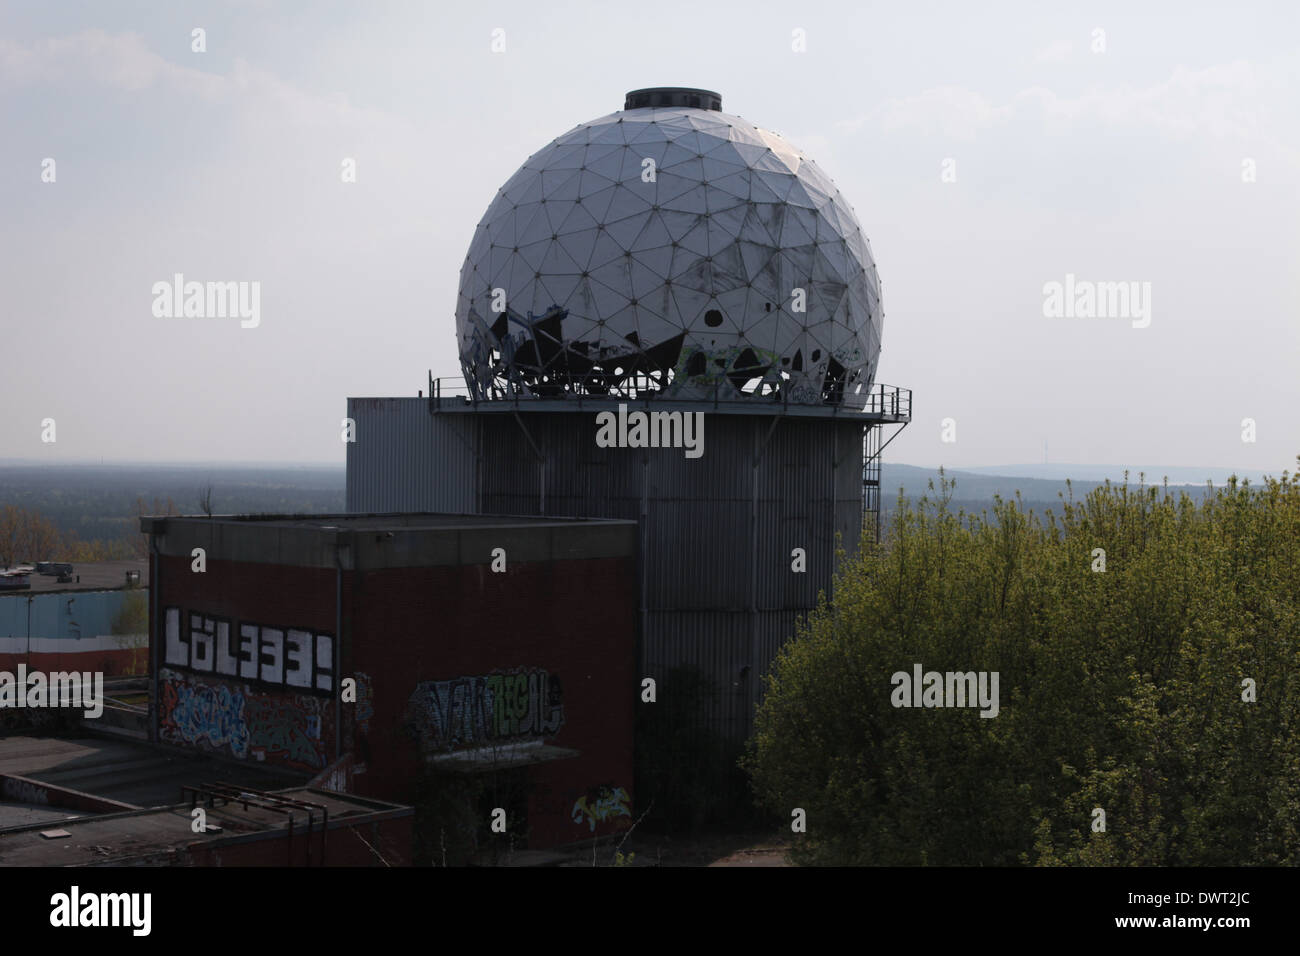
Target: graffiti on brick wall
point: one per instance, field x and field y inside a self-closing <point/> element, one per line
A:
<point x="493" y="708"/>
<point x="603" y="803"/>
<point x="365" y="701"/>
<point x="286" y="729"/>
<point x="24" y="791"/>
<point x="195" y="713"/>
<point x="296" y="659"/>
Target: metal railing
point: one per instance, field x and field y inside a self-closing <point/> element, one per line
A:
<point x="220" y="794"/>
<point x="886" y="402"/>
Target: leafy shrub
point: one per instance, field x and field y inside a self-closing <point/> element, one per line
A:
<point x="1120" y="690"/>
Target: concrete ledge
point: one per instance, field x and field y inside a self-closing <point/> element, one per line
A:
<point x="27" y="790"/>
<point x="378" y="542"/>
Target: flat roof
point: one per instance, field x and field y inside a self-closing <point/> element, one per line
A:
<point x="376" y="541"/>
<point x="141" y="774"/>
<point x="895" y="413"/>
<point x="388" y="521"/>
<point x="159" y="832"/>
<point x="94" y="575"/>
<point x="13" y="814"/>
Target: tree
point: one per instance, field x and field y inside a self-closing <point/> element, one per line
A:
<point x="80" y="551"/>
<point x="30" y="536"/>
<point x="156" y="507"/>
<point x="11" y="523"/>
<point x="130" y="626"/>
<point x="1121" y="690"/>
<point x="39" y="539"/>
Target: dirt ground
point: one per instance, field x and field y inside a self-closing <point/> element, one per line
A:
<point x="708" y="849"/>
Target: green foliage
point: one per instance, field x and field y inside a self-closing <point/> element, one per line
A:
<point x="130" y="625"/>
<point x="133" y="616"/>
<point x="1119" y="689"/>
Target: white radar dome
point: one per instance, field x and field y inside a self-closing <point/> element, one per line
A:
<point x="670" y="250"/>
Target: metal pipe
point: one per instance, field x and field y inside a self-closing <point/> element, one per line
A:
<point x="753" y="573"/>
<point x="835" y="465"/>
<point x="155" y="643"/>
<point x="338" y="642"/>
<point x="644" y="534"/>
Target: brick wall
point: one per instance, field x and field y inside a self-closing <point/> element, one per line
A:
<point x="573" y="620"/>
<point x="568" y="623"/>
<point x="233" y="715"/>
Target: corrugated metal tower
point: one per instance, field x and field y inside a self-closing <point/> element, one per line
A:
<point x="670" y="260"/>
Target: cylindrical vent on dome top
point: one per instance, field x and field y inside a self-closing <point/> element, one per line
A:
<point x="670" y="96"/>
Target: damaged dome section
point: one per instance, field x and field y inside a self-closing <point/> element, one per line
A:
<point x="670" y="251"/>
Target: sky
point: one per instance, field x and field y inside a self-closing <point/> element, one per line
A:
<point x="988" y="152"/>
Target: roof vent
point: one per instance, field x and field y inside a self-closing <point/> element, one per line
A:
<point x="672" y="97"/>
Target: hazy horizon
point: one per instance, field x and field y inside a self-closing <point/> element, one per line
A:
<point x="1182" y="475"/>
<point x="986" y="156"/>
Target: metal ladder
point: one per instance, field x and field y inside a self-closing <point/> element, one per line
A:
<point x="871" y="480"/>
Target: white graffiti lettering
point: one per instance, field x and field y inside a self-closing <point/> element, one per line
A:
<point x="282" y="657"/>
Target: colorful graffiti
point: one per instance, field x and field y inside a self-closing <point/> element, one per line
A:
<point x="365" y="701"/>
<point x="603" y="804"/>
<point x="24" y="791"/>
<point x="193" y="713"/>
<point x="287" y="729"/>
<point x="475" y="711"/>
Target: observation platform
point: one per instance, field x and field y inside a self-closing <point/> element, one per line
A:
<point x="883" y="405"/>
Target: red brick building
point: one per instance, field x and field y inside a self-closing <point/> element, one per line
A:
<point x="359" y="648"/>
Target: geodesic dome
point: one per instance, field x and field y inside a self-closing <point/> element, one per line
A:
<point x="670" y="250"/>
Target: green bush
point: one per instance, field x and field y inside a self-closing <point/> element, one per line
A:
<point x="1120" y="690"/>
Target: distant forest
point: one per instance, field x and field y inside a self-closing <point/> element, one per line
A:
<point x="90" y="512"/>
<point x="976" y="493"/>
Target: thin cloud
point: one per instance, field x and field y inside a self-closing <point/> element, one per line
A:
<point x="1055" y="52"/>
<point x="1230" y="100"/>
<point x="121" y="61"/>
